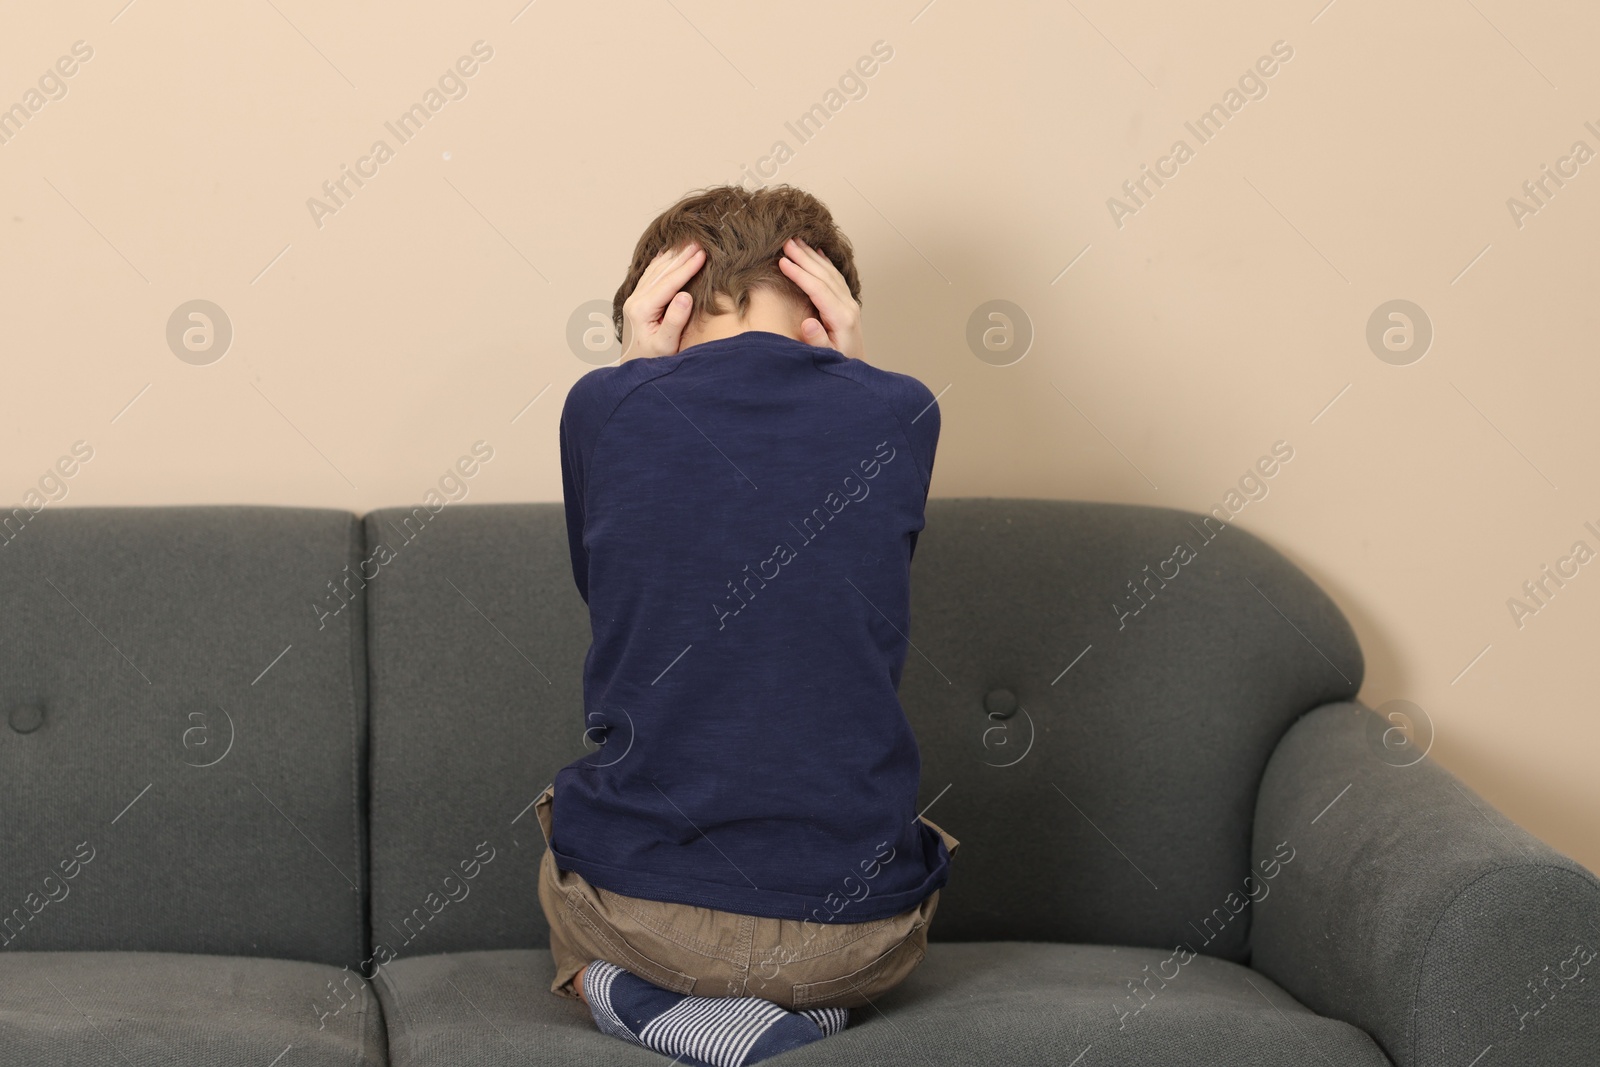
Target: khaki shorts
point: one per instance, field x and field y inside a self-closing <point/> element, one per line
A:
<point x="711" y="953"/>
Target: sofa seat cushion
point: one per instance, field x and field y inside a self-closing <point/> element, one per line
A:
<point x="177" y="1009"/>
<point x="983" y="1002"/>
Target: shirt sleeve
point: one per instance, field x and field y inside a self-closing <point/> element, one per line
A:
<point x="572" y="494"/>
<point x="922" y="425"/>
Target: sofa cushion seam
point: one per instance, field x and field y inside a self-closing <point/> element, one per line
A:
<point x="357" y="524"/>
<point x="400" y="1010"/>
<point x="361" y="1026"/>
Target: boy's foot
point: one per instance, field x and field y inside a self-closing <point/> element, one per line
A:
<point x="829" y="1020"/>
<point x="700" y="1031"/>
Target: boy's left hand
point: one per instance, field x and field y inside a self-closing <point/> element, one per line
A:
<point x="654" y="314"/>
<point x="820" y="280"/>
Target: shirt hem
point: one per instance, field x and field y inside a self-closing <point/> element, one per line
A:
<point x="766" y="903"/>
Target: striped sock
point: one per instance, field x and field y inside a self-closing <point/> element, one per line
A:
<point x="700" y="1031"/>
<point x="829" y="1020"/>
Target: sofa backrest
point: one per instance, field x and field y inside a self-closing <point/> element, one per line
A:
<point x="1151" y="709"/>
<point x="1096" y="749"/>
<point x="477" y="640"/>
<point x="182" y="733"/>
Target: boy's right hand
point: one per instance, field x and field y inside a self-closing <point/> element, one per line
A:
<point x="655" y="313"/>
<point x="819" y="279"/>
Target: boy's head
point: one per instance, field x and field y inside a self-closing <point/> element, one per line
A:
<point x="742" y="233"/>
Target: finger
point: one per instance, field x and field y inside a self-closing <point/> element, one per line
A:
<point x="653" y="269"/>
<point x="808" y="281"/>
<point x="684" y="269"/>
<point x="823" y="296"/>
<point x="812" y="333"/>
<point x="802" y="246"/>
<point x="805" y="255"/>
<point x="673" y="277"/>
<point x="672" y="323"/>
<point x="823" y="264"/>
<point x="664" y="261"/>
<point x="653" y="293"/>
<point x="820" y="266"/>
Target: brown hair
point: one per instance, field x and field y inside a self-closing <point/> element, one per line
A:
<point x="742" y="233"/>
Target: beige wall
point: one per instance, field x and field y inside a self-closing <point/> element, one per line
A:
<point x="373" y="345"/>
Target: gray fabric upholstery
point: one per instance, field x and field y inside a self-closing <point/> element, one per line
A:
<point x="1010" y="1002"/>
<point x="121" y="1008"/>
<point x="477" y="644"/>
<point x="184" y="771"/>
<point x="1158" y="735"/>
<point x="1416" y="911"/>
<point x="478" y="638"/>
<point x="131" y="639"/>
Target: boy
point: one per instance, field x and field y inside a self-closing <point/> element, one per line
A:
<point x="740" y="860"/>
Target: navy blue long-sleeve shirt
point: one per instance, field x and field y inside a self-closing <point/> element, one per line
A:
<point x="742" y="518"/>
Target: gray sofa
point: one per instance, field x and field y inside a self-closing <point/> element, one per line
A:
<point x="266" y="777"/>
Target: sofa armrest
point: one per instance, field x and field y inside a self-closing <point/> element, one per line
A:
<point x="1411" y="908"/>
